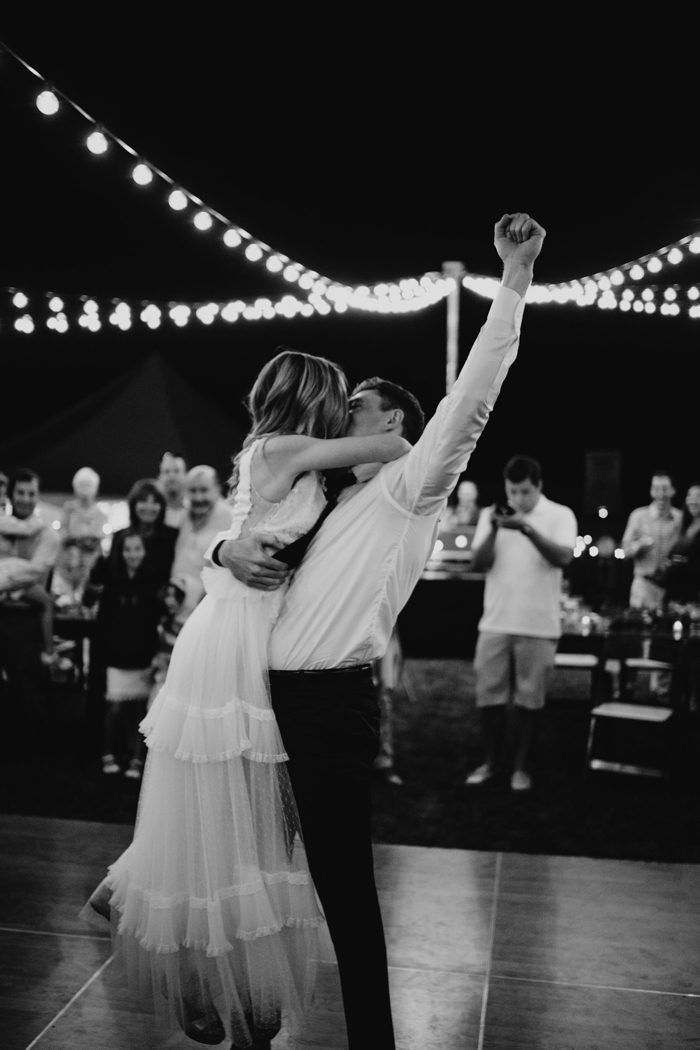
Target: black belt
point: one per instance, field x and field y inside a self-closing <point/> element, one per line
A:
<point x="355" y="669"/>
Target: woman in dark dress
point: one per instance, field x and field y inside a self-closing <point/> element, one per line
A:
<point x="147" y="517"/>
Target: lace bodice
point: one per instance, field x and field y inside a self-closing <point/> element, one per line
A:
<point x="288" y="519"/>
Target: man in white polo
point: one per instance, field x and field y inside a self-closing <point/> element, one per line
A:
<point x="339" y="613"/>
<point x="522" y="547"/>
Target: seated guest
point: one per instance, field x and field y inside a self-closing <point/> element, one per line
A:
<point x="171" y="478"/>
<point x="25" y="628"/>
<point x="207" y="514"/>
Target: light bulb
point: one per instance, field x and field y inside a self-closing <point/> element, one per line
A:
<point x="177" y="200"/>
<point x="142" y="175"/>
<point x="97" y="143"/>
<point x="232" y="238"/>
<point x="203" y="220"/>
<point x="47" y="103"/>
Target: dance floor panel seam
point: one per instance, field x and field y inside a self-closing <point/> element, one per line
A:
<point x="55" y="933"/>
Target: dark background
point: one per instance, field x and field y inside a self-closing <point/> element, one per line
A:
<point x="367" y="153"/>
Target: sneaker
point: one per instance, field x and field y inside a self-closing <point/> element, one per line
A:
<point x="135" y="769"/>
<point x="480" y="775"/>
<point x="109" y="765"/>
<point x="520" y="781"/>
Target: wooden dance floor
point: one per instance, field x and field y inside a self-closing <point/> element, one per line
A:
<point x="486" y="950"/>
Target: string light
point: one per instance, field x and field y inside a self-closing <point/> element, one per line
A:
<point x="326" y="294"/>
<point x="232" y="238"/>
<point x="177" y="200"/>
<point x="97" y="143"/>
<point x="47" y="103"/>
<point x="142" y="175"/>
<point x="203" y="220"/>
<point x="411" y="294"/>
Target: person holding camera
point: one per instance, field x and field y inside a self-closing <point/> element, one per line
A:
<point x="522" y="548"/>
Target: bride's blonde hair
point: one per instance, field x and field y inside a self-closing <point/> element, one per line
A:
<point x="295" y="393"/>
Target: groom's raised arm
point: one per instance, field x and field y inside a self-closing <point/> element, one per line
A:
<point x="430" y="470"/>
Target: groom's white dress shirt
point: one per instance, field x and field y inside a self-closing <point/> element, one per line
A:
<point x="368" y="555"/>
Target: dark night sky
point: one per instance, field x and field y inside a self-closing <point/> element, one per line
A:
<point x="368" y="156"/>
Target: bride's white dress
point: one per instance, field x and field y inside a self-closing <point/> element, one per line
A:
<point x="212" y="902"/>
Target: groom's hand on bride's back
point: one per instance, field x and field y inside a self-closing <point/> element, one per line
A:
<point x="252" y="562"/>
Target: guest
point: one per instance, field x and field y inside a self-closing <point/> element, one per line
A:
<point x="649" y="534"/>
<point x="21" y="640"/>
<point x="82" y="530"/>
<point x="466" y="510"/>
<point x="522" y="548"/>
<point x="207" y="514"/>
<point x="680" y="574"/>
<point x="126" y="589"/>
<point x="147" y="508"/>
<point x="12" y="528"/>
<point x="171" y="478"/>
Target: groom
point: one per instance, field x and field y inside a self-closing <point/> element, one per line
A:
<point x="339" y="613"/>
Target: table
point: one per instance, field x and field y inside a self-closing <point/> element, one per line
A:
<point x="441" y="617"/>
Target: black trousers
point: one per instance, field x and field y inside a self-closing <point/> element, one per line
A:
<point x="329" y="721"/>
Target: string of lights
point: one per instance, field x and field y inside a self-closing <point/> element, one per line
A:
<point x="323" y="294"/>
<point x="59" y="313"/>
<point x="396" y="297"/>
<point x="619" y="288"/>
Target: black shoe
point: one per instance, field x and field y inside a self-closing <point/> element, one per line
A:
<point x="203" y="1031"/>
<point x="389" y="776"/>
<point x="203" y="1028"/>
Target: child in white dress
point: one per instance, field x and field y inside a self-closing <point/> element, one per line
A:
<point x="212" y="904"/>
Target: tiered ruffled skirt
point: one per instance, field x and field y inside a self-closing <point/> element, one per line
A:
<point x="212" y="904"/>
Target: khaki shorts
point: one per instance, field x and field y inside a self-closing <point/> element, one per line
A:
<point x="513" y="666"/>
